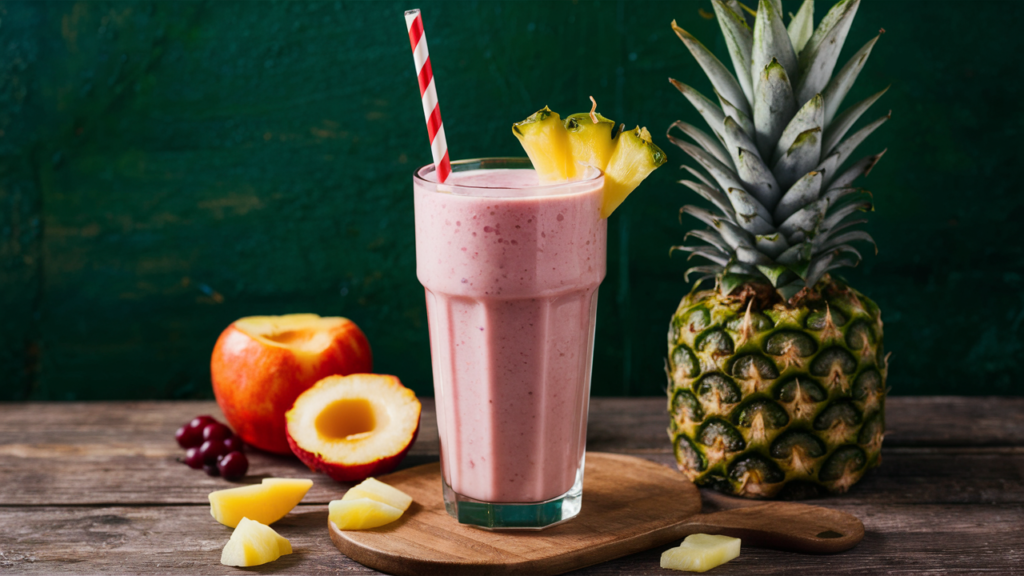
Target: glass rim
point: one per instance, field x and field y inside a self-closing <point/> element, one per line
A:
<point x="503" y="162"/>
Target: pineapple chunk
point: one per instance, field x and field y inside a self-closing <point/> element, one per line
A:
<point x="700" y="553"/>
<point x="591" y="143"/>
<point x="560" y="152"/>
<point x="634" y="158"/>
<point x="546" y="142"/>
<point x="361" y="514"/>
<point x="252" y="544"/>
<point x="265" y="503"/>
<point x="376" y="490"/>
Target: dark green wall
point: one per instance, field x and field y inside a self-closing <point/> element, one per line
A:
<point x="168" y="167"/>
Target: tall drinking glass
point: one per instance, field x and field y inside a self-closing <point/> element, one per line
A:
<point x="511" y="270"/>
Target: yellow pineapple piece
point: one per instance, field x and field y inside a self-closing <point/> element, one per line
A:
<point x="634" y="158"/>
<point x="288" y="490"/>
<point x="560" y="152"/>
<point x="591" y="143"/>
<point x="361" y="514"/>
<point x="374" y="489"/>
<point x="700" y="553"/>
<point x="265" y="503"/>
<point x="546" y="142"/>
<point x="252" y="544"/>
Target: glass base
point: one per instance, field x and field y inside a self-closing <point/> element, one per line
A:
<point x="515" y="515"/>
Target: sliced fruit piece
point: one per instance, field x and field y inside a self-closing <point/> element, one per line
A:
<point x="591" y="143"/>
<point x="634" y="158"/>
<point x="260" y="364"/>
<point x="701" y="552"/>
<point x="546" y="142"/>
<point x="376" y="490"/>
<point x="361" y="514"/>
<point x="353" y="427"/>
<point x="265" y="503"/>
<point x="626" y="158"/>
<point x="252" y="544"/>
<point x="289" y="489"/>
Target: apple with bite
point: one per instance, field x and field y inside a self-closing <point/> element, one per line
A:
<point x="352" y="427"/>
<point x="261" y="364"/>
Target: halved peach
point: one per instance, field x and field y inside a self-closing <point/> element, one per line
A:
<point x="352" y="427"/>
<point x="261" y="364"/>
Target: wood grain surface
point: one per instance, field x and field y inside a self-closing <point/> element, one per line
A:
<point x="93" y="488"/>
<point x="630" y="505"/>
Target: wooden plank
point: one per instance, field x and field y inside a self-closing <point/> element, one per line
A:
<point x="615" y="425"/>
<point x="954" y="421"/>
<point x="149" y="425"/>
<point x="907" y="476"/>
<point x="916" y="539"/>
<point x="632" y="505"/>
<point x="124" y="453"/>
<point x="944" y="503"/>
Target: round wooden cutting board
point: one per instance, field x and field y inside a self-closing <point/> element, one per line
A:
<point x="629" y="505"/>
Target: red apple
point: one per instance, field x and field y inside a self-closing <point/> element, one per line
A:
<point x="356" y="426"/>
<point x="261" y="364"/>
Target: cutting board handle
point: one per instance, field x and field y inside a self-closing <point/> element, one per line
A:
<point x="782" y="526"/>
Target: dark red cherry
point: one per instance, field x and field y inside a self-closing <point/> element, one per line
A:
<point x="216" y="431"/>
<point x="211" y="469"/>
<point x="233" y="465"/>
<point x="200" y="422"/>
<point x="188" y="437"/>
<point x="192" y="459"/>
<point x="210" y="449"/>
<point x="234" y="444"/>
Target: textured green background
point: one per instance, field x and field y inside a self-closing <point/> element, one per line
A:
<point x="167" y="167"/>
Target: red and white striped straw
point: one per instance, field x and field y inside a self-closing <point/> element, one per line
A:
<point x="428" y="93"/>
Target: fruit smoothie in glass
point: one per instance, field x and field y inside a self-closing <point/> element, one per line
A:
<point x="511" y="269"/>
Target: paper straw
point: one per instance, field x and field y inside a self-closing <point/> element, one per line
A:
<point x="428" y="93"/>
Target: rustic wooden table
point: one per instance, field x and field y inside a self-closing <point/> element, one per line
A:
<point x="94" y="488"/>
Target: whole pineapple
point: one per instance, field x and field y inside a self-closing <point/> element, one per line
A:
<point x="777" y="374"/>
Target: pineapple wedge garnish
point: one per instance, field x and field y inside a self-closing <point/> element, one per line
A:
<point x="591" y="143"/>
<point x="700" y="553"/>
<point x="546" y="142"/>
<point x="560" y="150"/>
<point x="252" y="544"/>
<point x="635" y="157"/>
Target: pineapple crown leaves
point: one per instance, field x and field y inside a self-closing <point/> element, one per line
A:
<point x="770" y="166"/>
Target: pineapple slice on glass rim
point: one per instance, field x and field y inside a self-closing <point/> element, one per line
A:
<point x="560" y="149"/>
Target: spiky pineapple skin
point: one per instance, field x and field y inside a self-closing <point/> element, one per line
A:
<point x="783" y="402"/>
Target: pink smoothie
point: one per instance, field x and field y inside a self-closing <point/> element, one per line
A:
<point x="511" y="275"/>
